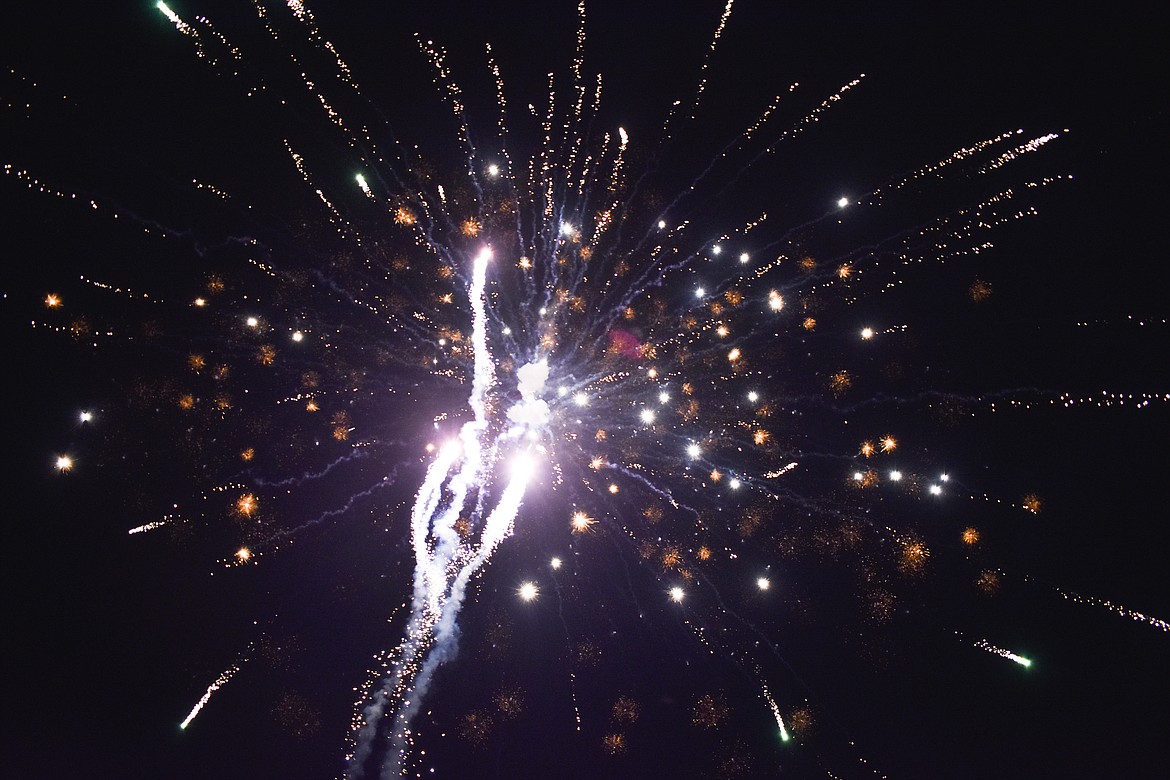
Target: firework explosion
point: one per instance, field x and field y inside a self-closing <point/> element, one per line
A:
<point x="702" y="405"/>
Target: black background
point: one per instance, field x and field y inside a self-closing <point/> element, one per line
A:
<point x="112" y="638"/>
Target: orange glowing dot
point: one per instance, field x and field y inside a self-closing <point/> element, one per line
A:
<point x="581" y="522"/>
<point x="889" y="444"/>
<point x="247" y="504"/>
<point x="52" y="301"/>
<point x="243" y="555"/>
<point x="404" y="216"/>
<point x="867" y="449"/>
<point x="970" y="536"/>
<point x="988" y="582"/>
<point x="463" y="528"/>
<point x="1031" y="503"/>
<point x="248" y="454"/>
<point x="613" y="488"/>
<point x="865" y="479"/>
<point x="979" y="291"/>
<point x="470" y="227"/>
<point x="839" y="382"/>
<point x="266" y="355"/>
<point x="809" y="323"/>
<point x="913" y="555"/>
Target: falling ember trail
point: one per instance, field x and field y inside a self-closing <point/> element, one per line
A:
<point x="983" y="644"/>
<point x="784" y="736"/>
<point x="219" y="682"/>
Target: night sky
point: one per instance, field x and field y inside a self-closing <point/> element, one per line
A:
<point x="872" y="660"/>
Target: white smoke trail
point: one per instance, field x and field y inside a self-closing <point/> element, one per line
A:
<point x="444" y="564"/>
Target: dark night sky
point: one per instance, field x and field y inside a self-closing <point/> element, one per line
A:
<point x="111" y="639"/>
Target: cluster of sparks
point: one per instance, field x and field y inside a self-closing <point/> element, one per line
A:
<point x="616" y="355"/>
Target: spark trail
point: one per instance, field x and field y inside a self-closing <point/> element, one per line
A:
<point x="224" y="677"/>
